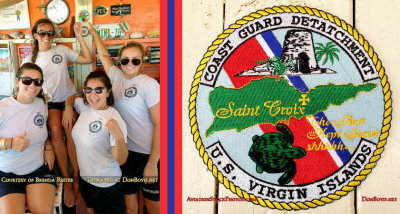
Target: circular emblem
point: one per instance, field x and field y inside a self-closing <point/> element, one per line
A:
<point x="39" y="120"/>
<point x="290" y="106"/>
<point x="101" y="11"/>
<point x="57" y="59"/>
<point x="130" y="92"/>
<point x="84" y="16"/>
<point x="95" y="126"/>
<point x="85" y="31"/>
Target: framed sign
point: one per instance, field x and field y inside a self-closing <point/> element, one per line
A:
<point x="23" y="52"/>
<point x="4" y="59"/>
<point x="120" y="10"/>
<point x="15" y="16"/>
<point x="5" y="75"/>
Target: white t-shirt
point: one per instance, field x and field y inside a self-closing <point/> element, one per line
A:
<point x="133" y="98"/>
<point x="15" y="118"/>
<point x="93" y="144"/>
<point x="54" y="63"/>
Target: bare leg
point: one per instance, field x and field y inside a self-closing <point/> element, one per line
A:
<point x="60" y="149"/>
<point x="74" y="162"/>
<point x="131" y="203"/>
<point x="153" y="207"/>
<point x="90" y="210"/>
<point x="40" y="198"/>
<point x="13" y="203"/>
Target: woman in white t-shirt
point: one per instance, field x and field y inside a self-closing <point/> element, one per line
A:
<point x="137" y="98"/>
<point x="54" y="62"/>
<point x="100" y="141"/>
<point x="26" y="154"/>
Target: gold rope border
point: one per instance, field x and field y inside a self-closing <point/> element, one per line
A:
<point x="384" y="132"/>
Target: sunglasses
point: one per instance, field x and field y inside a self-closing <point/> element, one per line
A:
<point x="28" y="81"/>
<point x="43" y="33"/>
<point x="135" y="61"/>
<point x="98" y="90"/>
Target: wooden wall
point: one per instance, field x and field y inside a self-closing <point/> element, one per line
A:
<point x="145" y="15"/>
<point x="378" y="21"/>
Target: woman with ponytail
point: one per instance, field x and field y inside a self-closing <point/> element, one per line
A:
<point x="53" y="60"/>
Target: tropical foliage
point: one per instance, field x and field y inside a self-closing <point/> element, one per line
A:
<point x="280" y="66"/>
<point x="329" y="50"/>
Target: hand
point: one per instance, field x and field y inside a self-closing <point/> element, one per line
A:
<point x="114" y="129"/>
<point x="20" y="143"/>
<point x="49" y="158"/>
<point x="78" y="29"/>
<point x="68" y="118"/>
<point x="150" y="174"/>
<point x="92" y="31"/>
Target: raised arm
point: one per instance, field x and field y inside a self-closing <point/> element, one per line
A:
<point x="150" y="171"/>
<point x="86" y="57"/>
<point x="101" y="50"/>
<point x="119" y="150"/>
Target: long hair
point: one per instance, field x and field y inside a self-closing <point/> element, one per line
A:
<point x="131" y="45"/>
<point x="102" y="76"/>
<point x="31" y="66"/>
<point x="35" y="41"/>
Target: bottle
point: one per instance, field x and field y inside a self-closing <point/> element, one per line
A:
<point x="71" y="27"/>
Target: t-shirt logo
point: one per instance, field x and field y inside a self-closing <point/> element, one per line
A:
<point x="57" y="59"/>
<point x="38" y="120"/>
<point x="95" y="126"/>
<point x="130" y="92"/>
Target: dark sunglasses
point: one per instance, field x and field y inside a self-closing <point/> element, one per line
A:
<point x="43" y="33"/>
<point x="98" y="90"/>
<point x="135" y="61"/>
<point x="28" y="81"/>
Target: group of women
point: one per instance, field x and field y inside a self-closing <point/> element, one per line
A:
<point x="115" y="138"/>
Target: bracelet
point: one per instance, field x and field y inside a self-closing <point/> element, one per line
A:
<point x="152" y="165"/>
<point x="2" y="146"/>
<point x="68" y="107"/>
<point x="48" y="149"/>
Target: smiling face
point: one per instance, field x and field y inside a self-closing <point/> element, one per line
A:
<point x="130" y="70"/>
<point x="97" y="101"/>
<point x="27" y="93"/>
<point x="46" y="40"/>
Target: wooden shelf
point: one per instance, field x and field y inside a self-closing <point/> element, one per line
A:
<point x="72" y="40"/>
<point x="29" y="41"/>
<point x="123" y="41"/>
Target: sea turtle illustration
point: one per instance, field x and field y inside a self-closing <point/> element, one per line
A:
<point x="273" y="153"/>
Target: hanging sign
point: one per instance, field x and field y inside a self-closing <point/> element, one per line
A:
<point x="120" y="10"/>
<point x="101" y="11"/>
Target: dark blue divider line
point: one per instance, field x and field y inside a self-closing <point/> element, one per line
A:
<point x="171" y="106"/>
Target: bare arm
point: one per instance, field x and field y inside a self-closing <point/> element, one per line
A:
<point x="101" y="50"/>
<point x="86" y="57"/>
<point x="150" y="171"/>
<point x="119" y="150"/>
<point x="18" y="143"/>
<point x="68" y="118"/>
